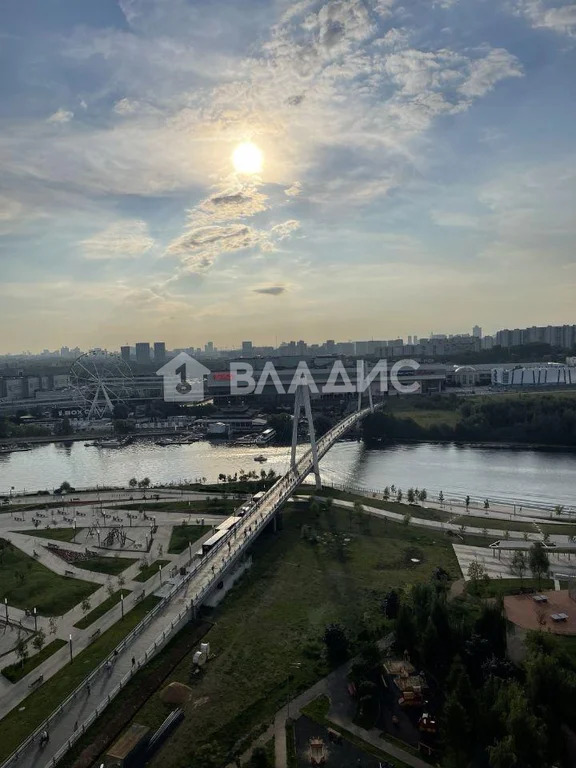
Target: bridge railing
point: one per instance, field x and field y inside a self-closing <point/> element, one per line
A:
<point x="286" y="486"/>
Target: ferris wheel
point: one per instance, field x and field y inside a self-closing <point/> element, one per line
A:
<point x="101" y="380"/>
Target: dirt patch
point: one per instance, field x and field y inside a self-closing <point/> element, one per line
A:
<point x="175" y="694"/>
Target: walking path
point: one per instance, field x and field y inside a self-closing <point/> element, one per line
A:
<point x="332" y="686"/>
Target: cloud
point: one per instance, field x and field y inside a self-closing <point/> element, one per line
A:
<point x="126" y="239"/>
<point x="61" y="116"/>
<point x="284" y="230"/>
<point x="270" y="290"/>
<point x="559" y="17"/>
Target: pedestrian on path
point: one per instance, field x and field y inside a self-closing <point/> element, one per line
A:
<point x="75" y="726"/>
<point x="133" y="661"/>
<point x="88" y="689"/>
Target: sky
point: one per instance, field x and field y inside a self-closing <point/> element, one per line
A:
<point x="418" y="169"/>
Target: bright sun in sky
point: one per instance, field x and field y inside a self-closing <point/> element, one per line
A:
<point x="247" y="158"/>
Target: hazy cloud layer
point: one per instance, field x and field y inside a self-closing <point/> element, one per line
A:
<point x="416" y="145"/>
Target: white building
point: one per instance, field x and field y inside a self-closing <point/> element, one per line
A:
<point x="552" y="375"/>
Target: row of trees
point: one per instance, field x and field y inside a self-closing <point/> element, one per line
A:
<point x="492" y="712"/>
<point x="529" y="419"/>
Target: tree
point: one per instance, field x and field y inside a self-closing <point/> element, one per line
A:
<point x="63" y="428"/>
<point x="109" y="587"/>
<point x="558" y="509"/>
<point x="405" y="629"/>
<point x="144" y="483"/>
<point x="538" y="561"/>
<point x="386" y="493"/>
<point x="21" y="649"/>
<point x="476" y="574"/>
<point x="52" y="625"/>
<point x="133" y="482"/>
<point x="399" y="495"/>
<point x="121" y="581"/>
<point x="259" y="758"/>
<point x="336" y="645"/>
<point x="519" y="565"/>
<point x="441" y="498"/>
<point x="423" y="495"/>
<point x="358" y="513"/>
<point x="39" y="640"/>
<point x="486" y="504"/>
<point x="410" y="496"/>
<point x="391" y="604"/>
<point x="407" y="518"/>
<point x="65" y="487"/>
<point x="85" y="605"/>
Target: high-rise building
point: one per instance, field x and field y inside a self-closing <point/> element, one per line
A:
<point x="246" y="348"/>
<point x="159" y="352"/>
<point x="125" y="353"/>
<point x="477" y="332"/>
<point x="209" y="348"/>
<point x="142" y="352"/>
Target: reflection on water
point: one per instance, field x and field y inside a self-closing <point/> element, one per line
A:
<point x="505" y="474"/>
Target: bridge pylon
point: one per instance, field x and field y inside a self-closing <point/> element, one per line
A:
<point x="302" y="401"/>
<point x="360" y="375"/>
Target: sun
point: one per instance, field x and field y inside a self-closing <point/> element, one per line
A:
<point x="247" y="158"/>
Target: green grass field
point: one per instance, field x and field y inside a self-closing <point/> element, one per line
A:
<point x="101" y="609"/>
<point x="150" y="570"/>
<point x="111" y="565"/>
<point x="17" y="671"/>
<point x="277" y="615"/>
<point x="19" y="723"/>
<point x="182" y="535"/>
<point x="216" y="507"/>
<point x="28" y="584"/>
<point x="56" y="534"/>
<point x="501" y="587"/>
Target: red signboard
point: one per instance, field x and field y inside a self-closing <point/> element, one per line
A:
<point x="222" y="376"/>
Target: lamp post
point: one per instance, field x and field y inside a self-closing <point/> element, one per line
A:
<point x="70" y="645"/>
<point x="190" y="552"/>
<point x="35" y="620"/>
<point x="160" y="572"/>
<point x="6" y="607"/>
<point x="122" y="603"/>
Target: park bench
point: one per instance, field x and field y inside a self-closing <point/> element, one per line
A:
<point x="36" y="683"/>
<point x="68" y="573"/>
<point x="94" y="635"/>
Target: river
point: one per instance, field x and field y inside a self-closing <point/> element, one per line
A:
<point x="499" y="474"/>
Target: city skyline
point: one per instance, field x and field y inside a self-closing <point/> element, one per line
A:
<point x="172" y="169"/>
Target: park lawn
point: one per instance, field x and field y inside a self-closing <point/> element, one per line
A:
<point x="101" y="609"/>
<point x="214" y="507"/>
<point x="150" y="570"/>
<point x="111" y="565"/>
<point x="17" y="725"/>
<point x="29" y="584"/>
<point x="458" y="518"/>
<point x="501" y="587"/>
<point x="277" y="614"/>
<point x="182" y="535"/>
<point x="56" y="534"/>
<point x="17" y="671"/>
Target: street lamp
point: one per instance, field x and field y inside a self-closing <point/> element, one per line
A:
<point x="160" y="572"/>
<point x="70" y="644"/>
<point x="122" y="603"/>
<point x="6" y="606"/>
<point x="35" y="621"/>
<point x="296" y="665"/>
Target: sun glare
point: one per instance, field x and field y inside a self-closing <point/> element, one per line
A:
<point x="247" y="158"/>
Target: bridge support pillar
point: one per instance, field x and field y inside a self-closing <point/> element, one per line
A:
<point x="302" y="401"/>
<point x="360" y="375"/>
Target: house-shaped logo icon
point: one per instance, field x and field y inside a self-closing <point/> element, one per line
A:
<point x="183" y="379"/>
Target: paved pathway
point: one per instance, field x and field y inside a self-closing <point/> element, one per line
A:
<point x="332" y="686"/>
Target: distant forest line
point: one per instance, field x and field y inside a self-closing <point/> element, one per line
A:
<point x="535" y="419"/>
